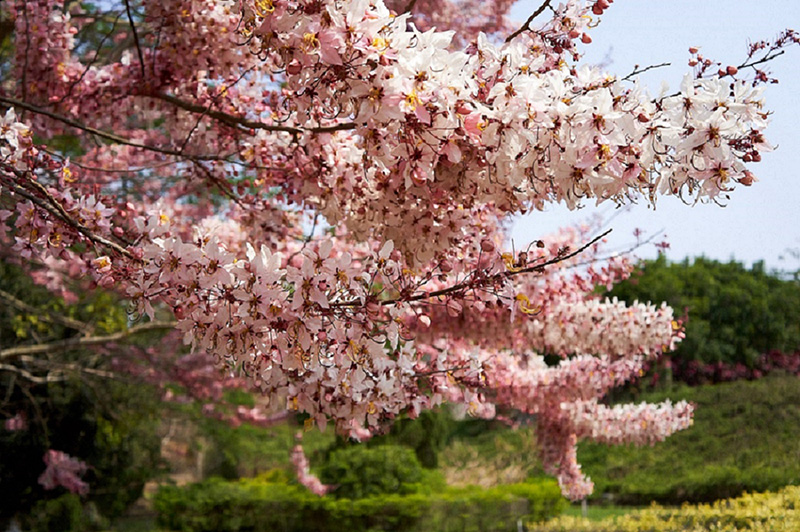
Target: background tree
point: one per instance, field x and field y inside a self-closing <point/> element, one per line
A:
<point x="68" y="405"/>
<point x="734" y="315"/>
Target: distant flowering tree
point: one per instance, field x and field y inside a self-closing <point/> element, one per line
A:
<point x="317" y="191"/>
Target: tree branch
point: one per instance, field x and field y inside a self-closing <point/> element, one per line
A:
<point x="103" y="134"/>
<point x="499" y="276"/>
<point x="465" y="285"/>
<point x="55" y="209"/>
<point x="235" y="121"/>
<point x="765" y="59"/>
<point x="636" y="70"/>
<point x="59" y="366"/>
<point x="45" y="315"/>
<point x="83" y="341"/>
<point x="410" y="6"/>
<point x="135" y="37"/>
<point x="30" y="376"/>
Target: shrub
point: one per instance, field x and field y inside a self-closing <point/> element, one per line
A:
<point x="261" y="505"/>
<point x="358" y="471"/>
<point x="63" y="514"/>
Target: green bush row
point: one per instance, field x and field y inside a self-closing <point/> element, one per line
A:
<point x="270" y="505"/>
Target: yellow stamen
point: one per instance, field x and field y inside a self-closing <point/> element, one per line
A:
<point x="310" y="42"/>
<point x="412" y="100"/>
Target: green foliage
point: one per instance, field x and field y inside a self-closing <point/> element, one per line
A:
<point x="427" y="435"/>
<point x="98" y="309"/>
<point x="598" y="512"/>
<point x="247" y="450"/>
<point x="490" y="453"/>
<point x="260" y="505"/>
<point x="735" y="314"/>
<point x="746" y="437"/>
<point x="106" y="423"/>
<point x="63" y="514"/>
<point x="358" y="471"/>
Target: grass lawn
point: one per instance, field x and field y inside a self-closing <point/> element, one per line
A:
<point x="596" y="512"/>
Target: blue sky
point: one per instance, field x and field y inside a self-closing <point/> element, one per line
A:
<point x="760" y="222"/>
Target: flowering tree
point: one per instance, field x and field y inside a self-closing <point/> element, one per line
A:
<point x="317" y="192"/>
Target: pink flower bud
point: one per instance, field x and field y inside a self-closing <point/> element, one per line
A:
<point x="748" y="178"/>
<point x="294" y="67"/>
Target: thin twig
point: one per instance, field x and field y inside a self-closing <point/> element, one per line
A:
<point x="637" y="70"/>
<point x="465" y="285"/>
<point x="764" y="59"/>
<point x="306" y="240"/>
<point x="135" y="37"/>
<point x="527" y="24"/>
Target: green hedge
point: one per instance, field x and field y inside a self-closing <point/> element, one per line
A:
<point x="261" y="505"/>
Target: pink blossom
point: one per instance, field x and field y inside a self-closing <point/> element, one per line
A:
<point x="65" y="471"/>
<point x="18" y="422"/>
